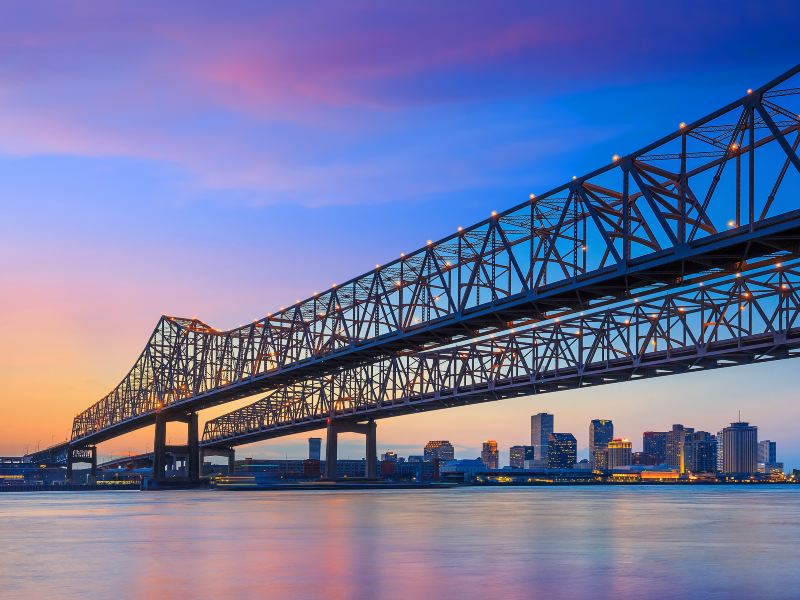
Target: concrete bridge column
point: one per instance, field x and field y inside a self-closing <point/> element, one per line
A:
<point x="93" y="472"/>
<point x="86" y="455"/>
<point x="231" y="461"/>
<point x="193" y="460"/>
<point x="372" y="450"/>
<point x="160" y="447"/>
<point x="331" y="442"/>
<point x="369" y="429"/>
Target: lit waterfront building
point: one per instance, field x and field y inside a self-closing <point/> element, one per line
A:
<point x="741" y="448"/>
<point x="720" y="451"/>
<point x="601" y="432"/>
<point x="674" y="440"/>
<point x="389" y="456"/>
<point x="416" y="458"/>
<point x="767" y="456"/>
<point x="438" y="450"/>
<point x="490" y="457"/>
<point x="541" y="428"/>
<point x="562" y="451"/>
<point x="618" y="453"/>
<point x="314" y="448"/>
<point x="654" y="445"/>
<point x="520" y="457"/>
<point x="698" y="453"/>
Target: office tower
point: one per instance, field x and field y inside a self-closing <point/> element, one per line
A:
<point x="490" y="456"/>
<point x="674" y="439"/>
<point x="438" y="449"/>
<point x="767" y="457"/>
<point x="618" y="453"/>
<point x="720" y="451"/>
<point x="654" y="445"/>
<point x="519" y="456"/>
<point x="541" y="428"/>
<point x="741" y="448"/>
<point x="389" y="456"/>
<point x="562" y="451"/>
<point x="697" y="453"/>
<point x="601" y="432"/>
<point x="767" y="452"/>
<point x="314" y="448"/>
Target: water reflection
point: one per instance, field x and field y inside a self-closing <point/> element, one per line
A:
<point x="632" y="542"/>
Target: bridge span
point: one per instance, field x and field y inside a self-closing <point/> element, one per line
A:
<point x="711" y="198"/>
<point x="714" y="322"/>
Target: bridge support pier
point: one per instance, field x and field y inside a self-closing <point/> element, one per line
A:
<point x="193" y="465"/>
<point x="229" y="453"/>
<point x="369" y="429"/>
<point x="160" y="447"/>
<point x="88" y="455"/>
<point x="191" y="450"/>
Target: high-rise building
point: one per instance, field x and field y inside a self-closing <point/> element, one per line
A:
<point x="490" y="456"/>
<point x="438" y="450"/>
<point x="601" y="432"/>
<point x="643" y="459"/>
<point x="519" y="456"/>
<point x="618" y="453"/>
<point x="389" y="456"/>
<point x="674" y="439"/>
<point x="767" y="452"/>
<point x="741" y="448"/>
<point x="562" y="451"/>
<point x="541" y="428"/>
<point x="720" y="451"/>
<point x="654" y="445"/>
<point x="698" y="453"/>
<point x="314" y="448"/>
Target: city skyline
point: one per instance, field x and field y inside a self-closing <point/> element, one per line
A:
<point x="353" y="449"/>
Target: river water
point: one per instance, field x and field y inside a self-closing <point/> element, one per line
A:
<point x="558" y="542"/>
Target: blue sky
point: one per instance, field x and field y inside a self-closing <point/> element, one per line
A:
<point x="221" y="161"/>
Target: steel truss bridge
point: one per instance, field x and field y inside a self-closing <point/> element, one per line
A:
<point x="716" y="322"/>
<point x="534" y="298"/>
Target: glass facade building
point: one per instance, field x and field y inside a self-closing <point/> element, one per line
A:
<point x="562" y="451"/>
<point x="490" y="456"/>
<point x="619" y="453"/>
<point x="654" y="445"/>
<point x="541" y="428"/>
<point x="520" y="457"/>
<point x="601" y="432"/>
<point x="438" y="450"/>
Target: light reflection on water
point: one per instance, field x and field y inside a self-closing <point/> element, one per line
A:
<point x="562" y="542"/>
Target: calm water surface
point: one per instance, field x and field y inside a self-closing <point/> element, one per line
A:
<point x="565" y="542"/>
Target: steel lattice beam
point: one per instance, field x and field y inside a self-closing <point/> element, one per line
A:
<point x="735" y="319"/>
<point x="710" y="195"/>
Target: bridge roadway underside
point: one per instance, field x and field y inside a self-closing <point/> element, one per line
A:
<point x="727" y="250"/>
<point x="728" y="353"/>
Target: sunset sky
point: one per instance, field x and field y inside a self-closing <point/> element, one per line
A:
<point x="221" y="159"/>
